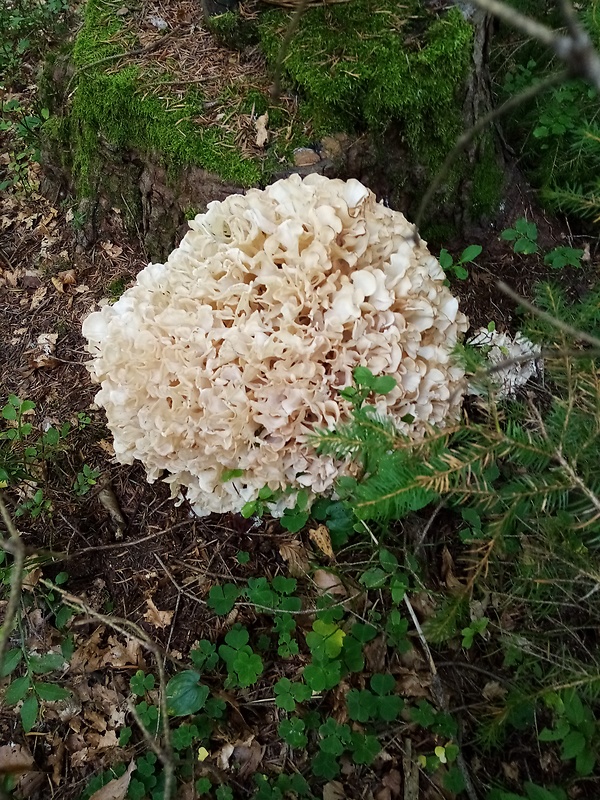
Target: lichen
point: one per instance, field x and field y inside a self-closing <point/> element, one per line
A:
<point x="364" y="64"/>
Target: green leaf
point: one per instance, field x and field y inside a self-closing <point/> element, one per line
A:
<point x="362" y="705"/>
<point x="461" y="272"/>
<point x="585" y="761"/>
<point x="365" y="748"/>
<point x="573" y="744"/>
<point x="205" y="655"/>
<point x="470" y="253"/>
<point x="509" y="235"/>
<point x="384" y="384"/>
<point x="249" y="509"/>
<point x="363" y="632"/>
<point x="229" y="474"/>
<point x="185" y="694"/>
<point x="10" y="661"/>
<point x="17" y="690"/>
<point x="29" y="712"/>
<point x="222" y="598"/>
<point x="322" y="676"/>
<point x="237" y="637"/>
<point x="383" y="684"/>
<point x="292" y="731"/>
<point x="363" y="377"/>
<point x="374" y="578"/>
<point x="535" y="792"/>
<point x="388" y="560"/>
<point x="284" y="585"/>
<point x="574" y="710"/>
<point x="63" y="615"/>
<point x="203" y="786"/>
<point x="454" y="781"/>
<point x="243" y="557"/>
<point x="293" y="521"/>
<point x="445" y="259"/>
<point x="51" y="692"/>
<point x="9" y="413"/>
<point x="46" y="663"/>
<point x="325" y="766"/>
<point x="249" y="667"/>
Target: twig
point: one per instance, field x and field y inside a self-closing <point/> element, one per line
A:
<point x="133" y="631"/>
<point x="439" y="695"/>
<point x="467" y="137"/>
<point x="16" y="548"/>
<point x="284" y="47"/>
<point x="581" y="336"/>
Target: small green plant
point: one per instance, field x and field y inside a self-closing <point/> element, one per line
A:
<point x="524" y="237"/>
<point x="243" y="664"/>
<point x="562" y="257"/>
<point x="576" y="729"/>
<point x="25" y="131"/>
<point x="35" y="507"/>
<point x="85" y="480"/>
<point x="458" y="268"/>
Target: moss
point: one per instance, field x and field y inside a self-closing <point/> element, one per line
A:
<point x="232" y="30"/>
<point x="488" y="180"/>
<point x="363" y="64"/>
<point x="120" y="110"/>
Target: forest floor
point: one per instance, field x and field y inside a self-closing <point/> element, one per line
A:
<point x="131" y="554"/>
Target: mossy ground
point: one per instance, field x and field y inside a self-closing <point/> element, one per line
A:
<point x="365" y="64"/>
<point x="357" y="67"/>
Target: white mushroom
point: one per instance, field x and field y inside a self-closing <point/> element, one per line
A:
<point x="232" y="353"/>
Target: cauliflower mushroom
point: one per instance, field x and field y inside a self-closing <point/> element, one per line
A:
<point x="232" y="353"/>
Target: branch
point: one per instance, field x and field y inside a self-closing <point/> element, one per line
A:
<point x="581" y="336"/>
<point x="16" y="548"/>
<point x="284" y="47"/>
<point x="575" y="50"/>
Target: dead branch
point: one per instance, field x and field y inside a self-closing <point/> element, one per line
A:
<point x="14" y="545"/>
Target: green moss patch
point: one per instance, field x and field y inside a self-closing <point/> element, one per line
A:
<point x="363" y="64"/>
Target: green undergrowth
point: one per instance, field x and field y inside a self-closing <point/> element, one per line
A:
<point x="363" y="65"/>
<point x="559" y="132"/>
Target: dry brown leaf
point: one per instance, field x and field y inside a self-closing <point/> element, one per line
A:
<point x="334" y="790"/>
<point x="413" y="685"/>
<point x="248" y="754"/>
<point x="68" y="277"/>
<point x="42" y="356"/>
<point x="494" y="691"/>
<point x="104" y="742"/>
<point x="296" y="557"/>
<point x="320" y="537"/>
<point x="107" y="446"/>
<point x="159" y="619"/>
<point x="383" y="794"/>
<point x="15" y="759"/>
<point x="448" y="574"/>
<point x="31" y="578"/>
<point x="38" y="296"/>
<point x="262" y="134"/>
<point x="328" y="583"/>
<point x="115" y="789"/>
<point x="113" y="250"/>
<point x="393" y="781"/>
<point x="122" y="655"/>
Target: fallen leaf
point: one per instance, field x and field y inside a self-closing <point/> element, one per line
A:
<point x="320" y="537"/>
<point x="393" y="781"/>
<point x="248" y="755"/>
<point x="107" y="446"/>
<point x="15" y="759"/>
<point x="111" y="249"/>
<point x="224" y="755"/>
<point x="159" y="619"/>
<point x="334" y="790"/>
<point x="43" y="355"/>
<point x="117" y="788"/>
<point x="452" y="582"/>
<point x="329" y="583"/>
<point x="262" y="134"/>
<point x="38" y="296"/>
<point x="296" y="557"/>
<point x="494" y="691"/>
